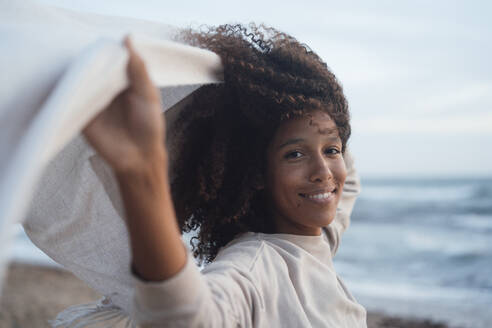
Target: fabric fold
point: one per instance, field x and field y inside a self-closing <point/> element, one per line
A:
<point x="59" y="69"/>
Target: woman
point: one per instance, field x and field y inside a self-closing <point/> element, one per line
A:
<point x="259" y="169"/>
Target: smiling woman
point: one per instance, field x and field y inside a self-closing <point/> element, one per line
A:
<point x="259" y="167"/>
<point x="218" y="177"/>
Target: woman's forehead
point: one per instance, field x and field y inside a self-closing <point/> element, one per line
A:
<point x="316" y="122"/>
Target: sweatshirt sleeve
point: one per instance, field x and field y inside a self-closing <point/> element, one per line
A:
<point x="223" y="298"/>
<point x="351" y="190"/>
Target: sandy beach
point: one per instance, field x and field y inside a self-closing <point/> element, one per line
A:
<point x="35" y="294"/>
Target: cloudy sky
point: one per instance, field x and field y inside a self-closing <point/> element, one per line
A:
<point x="417" y="73"/>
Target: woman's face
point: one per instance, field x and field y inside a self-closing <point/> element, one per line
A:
<point x="305" y="174"/>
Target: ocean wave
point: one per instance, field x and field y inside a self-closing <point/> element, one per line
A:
<point x="410" y="291"/>
<point x="426" y="194"/>
<point x="447" y="243"/>
<point x="427" y="191"/>
<point x="473" y="222"/>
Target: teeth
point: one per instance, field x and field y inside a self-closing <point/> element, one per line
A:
<point x="320" y="196"/>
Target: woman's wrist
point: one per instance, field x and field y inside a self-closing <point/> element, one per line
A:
<point x="153" y="165"/>
<point x="155" y="239"/>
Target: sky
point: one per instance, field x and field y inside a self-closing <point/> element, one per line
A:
<point x="417" y="74"/>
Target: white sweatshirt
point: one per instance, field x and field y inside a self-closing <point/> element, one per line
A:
<point x="260" y="280"/>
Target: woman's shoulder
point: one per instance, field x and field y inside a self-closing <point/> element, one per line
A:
<point x="248" y="249"/>
<point x="244" y="253"/>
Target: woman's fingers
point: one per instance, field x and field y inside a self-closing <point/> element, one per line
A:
<point x="136" y="66"/>
<point x="140" y="81"/>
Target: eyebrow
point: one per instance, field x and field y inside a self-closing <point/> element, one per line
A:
<point x="290" y="142"/>
<point x="297" y="140"/>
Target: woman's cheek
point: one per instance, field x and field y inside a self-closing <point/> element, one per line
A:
<point x="340" y="171"/>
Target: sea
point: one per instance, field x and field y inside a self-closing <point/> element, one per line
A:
<point x="423" y="248"/>
<point x="416" y="247"/>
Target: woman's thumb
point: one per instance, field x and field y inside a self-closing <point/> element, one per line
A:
<point x="137" y="73"/>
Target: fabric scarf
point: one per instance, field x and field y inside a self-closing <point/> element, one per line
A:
<point x="59" y="68"/>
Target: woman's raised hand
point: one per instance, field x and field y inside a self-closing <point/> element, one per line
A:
<point x="130" y="132"/>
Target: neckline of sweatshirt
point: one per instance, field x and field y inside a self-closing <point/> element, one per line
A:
<point x="317" y="246"/>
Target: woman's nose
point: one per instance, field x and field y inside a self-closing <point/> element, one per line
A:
<point x="320" y="170"/>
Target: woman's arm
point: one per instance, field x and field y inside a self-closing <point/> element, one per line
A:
<point x="157" y="250"/>
<point x="129" y="134"/>
<point x="351" y="190"/>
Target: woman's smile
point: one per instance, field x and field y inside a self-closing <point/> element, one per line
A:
<point x="320" y="197"/>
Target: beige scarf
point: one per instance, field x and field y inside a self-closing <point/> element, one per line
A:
<point x="59" y="68"/>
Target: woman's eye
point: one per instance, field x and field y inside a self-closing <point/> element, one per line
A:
<point x="332" y="151"/>
<point x="293" y="155"/>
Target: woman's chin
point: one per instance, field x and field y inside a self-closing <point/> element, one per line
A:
<point x="323" y="220"/>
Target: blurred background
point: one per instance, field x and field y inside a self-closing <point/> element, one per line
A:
<point x="418" y="78"/>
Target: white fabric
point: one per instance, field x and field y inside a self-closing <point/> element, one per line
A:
<point x="58" y="69"/>
<point x="260" y="280"/>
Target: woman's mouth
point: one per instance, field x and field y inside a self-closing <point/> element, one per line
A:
<point x="319" y="197"/>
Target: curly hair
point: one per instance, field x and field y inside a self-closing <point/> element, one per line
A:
<point x="223" y="134"/>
